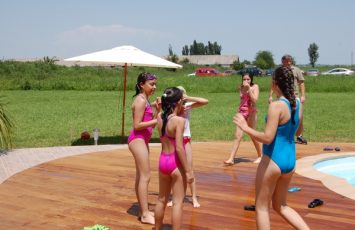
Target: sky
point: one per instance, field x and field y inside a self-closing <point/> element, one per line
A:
<point x="67" y="28"/>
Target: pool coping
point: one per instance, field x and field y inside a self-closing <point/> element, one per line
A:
<point x="339" y="185"/>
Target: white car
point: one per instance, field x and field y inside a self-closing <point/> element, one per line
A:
<point x="339" y="71"/>
<point x="313" y="72"/>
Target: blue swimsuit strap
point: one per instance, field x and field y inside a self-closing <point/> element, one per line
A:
<point x="289" y="106"/>
<point x="287" y="102"/>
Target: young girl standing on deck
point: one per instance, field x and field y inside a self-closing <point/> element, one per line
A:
<point x="274" y="173"/>
<point x="143" y="124"/>
<point x="174" y="171"/>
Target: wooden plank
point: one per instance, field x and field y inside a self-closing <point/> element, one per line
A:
<point x="98" y="188"/>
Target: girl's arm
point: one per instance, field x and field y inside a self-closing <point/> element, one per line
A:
<point x="138" y="113"/>
<point x="196" y="101"/>
<point x="269" y="133"/>
<point x="254" y="93"/>
<point x="180" y="148"/>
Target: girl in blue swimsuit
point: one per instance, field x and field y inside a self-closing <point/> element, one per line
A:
<point x="277" y="164"/>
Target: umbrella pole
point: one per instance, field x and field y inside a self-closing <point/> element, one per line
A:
<point x="124" y="100"/>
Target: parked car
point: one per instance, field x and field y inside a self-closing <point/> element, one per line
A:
<point x="255" y="71"/>
<point x="230" y="72"/>
<point x="269" y="72"/>
<point x="208" y="72"/>
<point x="338" y="71"/>
<point x="313" y="72"/>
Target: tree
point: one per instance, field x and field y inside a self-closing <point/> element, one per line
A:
<point x="264" y="60"/>
<point x="6" y="127"/>
<point x="313" y="54"/>
<point x="198" y="48"/>
<point x="172" y="57"/>
<point x="185" y="50"/>
<point x="237" y="65"/>
<point x="171" y="53"/>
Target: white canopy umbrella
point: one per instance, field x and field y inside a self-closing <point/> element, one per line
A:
<point x="124" y="56"/>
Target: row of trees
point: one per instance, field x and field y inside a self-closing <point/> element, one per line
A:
<point x="198" y="48"/>
<point x="263" y="59"/>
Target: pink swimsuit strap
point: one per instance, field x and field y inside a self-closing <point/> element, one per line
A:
<point x="246" y="106"/>
<point x="144" y="134"/>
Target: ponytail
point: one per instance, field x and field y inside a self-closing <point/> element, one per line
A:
<point x="285" y="80"/>
<point x="169" y="100"/>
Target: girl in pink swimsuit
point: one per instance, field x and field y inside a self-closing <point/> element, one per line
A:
<point x="168" y="161"/>
<point x="143" y="124"/>
<point x="146" y="133"/>
<point x="174" y="171"/>
<point x="249" y="94"/>
<point x="246" y="106"/>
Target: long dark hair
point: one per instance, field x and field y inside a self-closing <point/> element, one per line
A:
<point x="285" y="81"/>
<point x="142" y="78"/>
<point x="169" y="100"/>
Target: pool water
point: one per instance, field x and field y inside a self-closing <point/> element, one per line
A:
<point x="343" y="167"/>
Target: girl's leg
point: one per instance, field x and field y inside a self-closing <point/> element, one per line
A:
<point x="267" y="175"/>
<point x="279" y="203"/>
<point x="192" y="186"/>
<point x="141" y="156"/>
<point x="252" y="120"/>
<point x="164" y="192"/>
<point x="237" y="140"/>
<point x="179" y="188"/>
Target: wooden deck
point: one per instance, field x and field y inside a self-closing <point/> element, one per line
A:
<point x="98" y="188"/>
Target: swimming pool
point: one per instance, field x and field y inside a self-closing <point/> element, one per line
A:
<point x="343" y="167"/>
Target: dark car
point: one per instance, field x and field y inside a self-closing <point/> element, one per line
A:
<point x="230" y="72"/>
<point x="255" y="71"/>
<point x="269" y="72"/>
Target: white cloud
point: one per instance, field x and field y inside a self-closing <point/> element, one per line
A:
<point x="89" y="38"/>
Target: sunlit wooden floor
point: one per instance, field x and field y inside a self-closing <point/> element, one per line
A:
<point x="98" y="188"/>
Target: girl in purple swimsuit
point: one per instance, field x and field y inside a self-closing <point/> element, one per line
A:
<point x="249" y="94"/>
<point x="143" y="124"/>
<point x="174" y="171"/>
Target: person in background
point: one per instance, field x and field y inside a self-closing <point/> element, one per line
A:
<point x="249" y="94"/>
<point x="174" y="171"/>
<point x="277" y="165"/>
<point x="300" y="89"/>
<point x="143" y="124"/>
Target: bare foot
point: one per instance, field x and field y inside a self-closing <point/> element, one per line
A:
<point x="150" y="212"/>
<point x="148" y="219"/>
<point x="229" y="162"/>
<point x="195" y="203"/>
<point x="257" y="161"/>
<point x="170" y="203"/>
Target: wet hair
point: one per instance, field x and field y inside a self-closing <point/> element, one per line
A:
<point x="141" y="79"/>
<point x="285" y="81"/>
<point x="169" y="100"/>
<point x="251" y="78"/>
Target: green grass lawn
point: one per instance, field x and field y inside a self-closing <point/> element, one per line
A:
<point x="51" y="105"/>
<point x="56" y="118"/>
